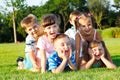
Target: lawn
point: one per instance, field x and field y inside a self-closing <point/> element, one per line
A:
<point x="8" y="66"/>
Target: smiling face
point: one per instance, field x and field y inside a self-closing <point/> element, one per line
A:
<point x="32" y="30"/>
<point x="98" y="51"/>
<point x="85" y="26"/>
<point x="62" y="45"/>
<point x="51" y="31"/>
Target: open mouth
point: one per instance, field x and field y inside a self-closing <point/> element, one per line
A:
<point x="98" y="56"/>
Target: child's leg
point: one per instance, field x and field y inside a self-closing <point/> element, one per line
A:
<point x="21" y="65"/>
<point x="36" y="69"/>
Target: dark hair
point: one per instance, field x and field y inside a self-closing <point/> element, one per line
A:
<point x="19" y="59"/>
<point x="48" y="19"/>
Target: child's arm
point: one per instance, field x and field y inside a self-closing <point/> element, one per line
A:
<point x="87" y="65"/>
<point x="77" y="51"/>
<point x="70" y="64"/>
<point x="108" y="63"/>
<point x="71" y="60"/>
<point x="61" y="67"/>
<point x="33" y="59"/>
<point x="43" y="60"/>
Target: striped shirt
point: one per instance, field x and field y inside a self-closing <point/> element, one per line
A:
<point x="54" y="61"/>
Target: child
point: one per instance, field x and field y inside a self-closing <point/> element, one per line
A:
<point x="63" y="56"/>
<point x="96" y="57"/>
<point x="72" y="31"/>
<point x="30" y="62"/>
<point x="85" y="33"/>
<point x="49" y="29"/>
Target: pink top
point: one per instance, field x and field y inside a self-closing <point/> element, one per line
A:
<point x="44" y="43"/>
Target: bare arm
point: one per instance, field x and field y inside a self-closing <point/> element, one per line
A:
<point x="43" y="60"/>
<point x="33" y="58"/>
<point x="77" y="46"/>
<point x="71" y="65"/>
<point x="61" y="67"/>
<point x="85" y="64"/>
<point x="108" y="63"/>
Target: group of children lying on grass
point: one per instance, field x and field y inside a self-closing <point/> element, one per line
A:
<point x="80" y="47"/>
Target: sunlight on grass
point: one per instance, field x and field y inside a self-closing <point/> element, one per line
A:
<point x="8" y="66"/>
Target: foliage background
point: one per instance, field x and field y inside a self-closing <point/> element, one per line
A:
<point x="61" y="8"/>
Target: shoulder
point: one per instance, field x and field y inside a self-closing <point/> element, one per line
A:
<point x="30" y="39"/>
<point x="77" y="36"/>
<point x="53" y="55"/>
<point x="70" y="29"/>
<point x="42" y="39"/>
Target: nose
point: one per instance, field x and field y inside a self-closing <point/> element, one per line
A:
<point x="66" y="46"/>
<point x="33" y="29"/>
<point x="86" y="27"/>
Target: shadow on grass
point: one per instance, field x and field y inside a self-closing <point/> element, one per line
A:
<point x="116" y="60"/>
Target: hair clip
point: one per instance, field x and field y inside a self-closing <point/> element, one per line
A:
<point x="89" y="14"/>
<point x="78" y="17"/>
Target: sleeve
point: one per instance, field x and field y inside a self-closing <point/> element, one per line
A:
<point x="67" y="32"/>
<point x="52" y="64"/>
<point x="41" y="43"/>
<point x="29" y="44"/>
<point x="73" y="59"/>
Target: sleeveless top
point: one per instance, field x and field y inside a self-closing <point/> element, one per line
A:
<point x="84" y="41"/>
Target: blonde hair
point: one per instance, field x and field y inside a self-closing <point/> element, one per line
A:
<point x="29" y="21"/>
<point x="59" y="36"/>
<point x="94" y="43"/>
<point x="74" y="13"/>
<point x="47" y="20"/>
<point x="83" y="16"/>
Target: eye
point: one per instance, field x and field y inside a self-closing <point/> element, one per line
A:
<point x="48" y="27"/>
<point x="89" y="24"/>
<point x="62" y="44"/>
<point x="30" y="29"/>
<point x="54" y="26"/>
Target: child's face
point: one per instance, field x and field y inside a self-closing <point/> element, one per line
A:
<point x="51" y="31"/>
<point x="86" y="26"/>
<point x="33" y="30"/>
<point x="98" y="51"/>
<point x="63" y="46"/>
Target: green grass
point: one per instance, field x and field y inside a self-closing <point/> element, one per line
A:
<point x="8" y="67"/>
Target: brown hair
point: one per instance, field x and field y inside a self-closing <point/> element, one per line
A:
<point x="94" y="43"/>
<point x="29" y="21"/>
<point x="59" y="36"/>
<point x="47" y="20"/>
<point x="82" y="15"/>
<point x="74" y="13"/>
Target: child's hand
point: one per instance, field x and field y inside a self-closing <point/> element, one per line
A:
<point x="102" y="55"/>
<point x="70" y="53"/>
<point x="62" y="54"/>
<point x="91" y="53"/>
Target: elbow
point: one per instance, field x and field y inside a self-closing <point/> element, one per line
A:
<point x="112" y="67"/>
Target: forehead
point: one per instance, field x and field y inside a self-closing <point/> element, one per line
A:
<point x="99" y="46"/>
<point x="84" y="21"/>
<point x="51" y="25"/>
<point x="62" y="40"/>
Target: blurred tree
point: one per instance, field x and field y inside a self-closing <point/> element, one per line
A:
<point x="97" y="9"/>
<point x="117" y="4"/>
<point x="14" y="5"/>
